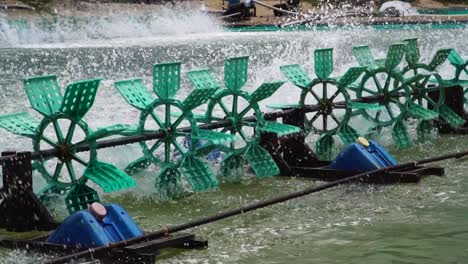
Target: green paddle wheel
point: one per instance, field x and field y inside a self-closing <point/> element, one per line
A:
<point x="329" y="94"/>
<point x="422" y="106"/>
<point x="167" y="152"/>
<point x="63" y="129"/>
<point x="242" y="105"/>
<point x="385" y="83"/>
<point x="461" y="74"/>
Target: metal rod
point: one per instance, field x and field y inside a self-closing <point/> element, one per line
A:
<point x="100" y="251"/>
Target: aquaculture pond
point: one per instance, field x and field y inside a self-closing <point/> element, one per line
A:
<point x="355" y="223"/>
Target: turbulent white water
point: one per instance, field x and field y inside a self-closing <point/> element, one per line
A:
<point x="169" y="21"/>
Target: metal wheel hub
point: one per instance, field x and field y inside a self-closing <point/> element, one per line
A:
<point x="64" y="153"/>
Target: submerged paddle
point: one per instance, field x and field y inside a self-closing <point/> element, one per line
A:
<point x="100" y="251"/>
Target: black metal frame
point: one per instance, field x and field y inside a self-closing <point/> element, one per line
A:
<point x="144" y="252"/>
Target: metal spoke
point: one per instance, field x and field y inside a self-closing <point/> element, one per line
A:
<point x="179" y="147"/>
<point x="424" y="82"/>
<point x="49" y="141"/>
<point x="377" y="83"/>
<point x="369" y="91"/>
<point x="79" y="160"/>
<point x="389" y="110"/>
<point x="335" y="118"/>
<point x="224" y="108"/>
<point x="58" y="170"/>
<point x="167" y="117"/>
<point x="314" y="118"/>
<point x="156" y="145"/>
<point x="377" y="115"/>
<point x="70" y="170"/>
<point x="234" y="106"/>
<point x="156" y="119"/>
<point x="324" y="122"/>
<point x="395" y="101"/>
<point x="387" y="83"/>
<point x="70" y="133"/>
<point x="324" y="91"/>
<point x="243" y="135"/>
<point x="246" y="109"/>
<point x="177" y="122"/>
<point x="167" y="151"/>
<point x="314" y="95"/>
<point x="429" y="100"/>
<point x="334" y="96"/>
<point x="58" y="131"/>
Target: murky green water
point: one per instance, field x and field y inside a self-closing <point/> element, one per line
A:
<point x="413" y="223"/>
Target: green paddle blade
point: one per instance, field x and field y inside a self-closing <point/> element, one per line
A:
<point x="296" y="75"/>
<point x="380" y="63"/>
<point x="198" y="174"/>
<point x="357" y="105"/>
<point x="108" y="177"/>
<point x="166" y="79"/>
<point x="44" y="94"/>
<point x="198" y="97"/>
<point x="412" y="55"/>
<point x="351" y="75"/>
<point x="456" y="60"/>
<point x="232" y="167"/>
<point x="80" y="197"/>
<point x="324" y="147"/>
<point x="323" y="59"/>
<point x="79" y="97"/>
<point x="264" y="91"/>
<point x="202" y="79"/>
<point x="450" y="116"/>
<point x="214" y="140"/>
<point x="135" y="93"/>
<point x="117" y="129"/>
<point x="168" y="183"/>
<point x="278" y="128"/>
<point x="138" y="165"/>
<point x="395" y="56"/>
<point x="20" y="124"/>
<point x="283" y="106"/>
<point x="261" y="161"/>
<point x="364" y="56"/>
<point x="347" y="134"/>
<point x="400" y="135"/>
<point x="424" y="129"/>
<point x="439" y="58"/>
<point x="214" y="137"/>
<point x="420" y="112"/>
<point x="235" y="72"/>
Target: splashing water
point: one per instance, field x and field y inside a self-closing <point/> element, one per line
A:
<point x="169" y="21"/>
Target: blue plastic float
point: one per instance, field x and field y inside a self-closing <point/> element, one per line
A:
<point x="94" y="228"/>
<point x="363" y="156"/>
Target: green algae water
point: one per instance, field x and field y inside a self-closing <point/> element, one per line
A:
<point x="410" y="223"/>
